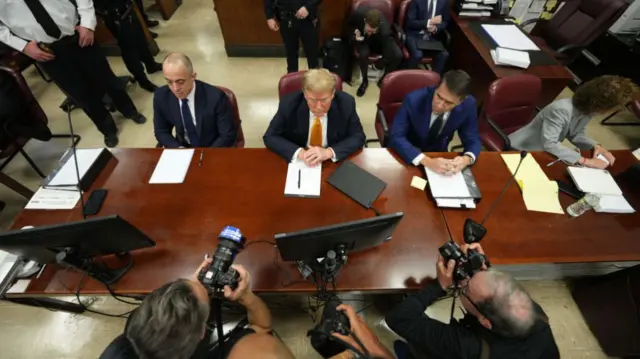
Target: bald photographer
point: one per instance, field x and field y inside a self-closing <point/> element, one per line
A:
<point x="501" y="320"/>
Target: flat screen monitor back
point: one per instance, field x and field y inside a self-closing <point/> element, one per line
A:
<point x="355" y="236"/>
<point x="89" y="238"/>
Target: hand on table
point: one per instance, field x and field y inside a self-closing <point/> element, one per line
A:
<point x="35" y="52"/>
<point x="460" y="163"/>
<point x="273" y="25"/>
<point x="599" y="150"/>
<point x="595" y="163"/>
<point x="438" y="165"/>
<point x="85" y="36"/>
<point x="316" y="155"/>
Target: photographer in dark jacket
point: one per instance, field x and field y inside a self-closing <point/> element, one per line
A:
<point x="502" y="320"/>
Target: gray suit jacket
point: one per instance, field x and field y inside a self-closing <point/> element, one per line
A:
<point x="555" y="123"/>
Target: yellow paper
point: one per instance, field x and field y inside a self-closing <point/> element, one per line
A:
<point x="542" y="197"/>
<point x="419" y="183"/>
<point x="529" y="171"/>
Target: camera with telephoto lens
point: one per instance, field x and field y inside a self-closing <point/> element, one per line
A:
<point x="466" y="265"/>
<point x="333" y="321"/>
<point x="219" y="273"/>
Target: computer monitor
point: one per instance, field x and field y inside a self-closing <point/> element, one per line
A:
<point x="87" y="239"/>
<point x="354" y="236"/>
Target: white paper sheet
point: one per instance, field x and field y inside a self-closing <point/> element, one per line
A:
<point x="613" y="204"/>
<point x="593" y="180"/>
<point x="7" y="261"/>
<point x="302" y="180"/>
<point x="46" y="198"/>
<point x="510" y="37"/>
<point x="508" y="57"/>
<point x="447" y="186"/>
<point x="456" y="203"/>
<point x="172" y="166"/>
<point x="67" y="175"/>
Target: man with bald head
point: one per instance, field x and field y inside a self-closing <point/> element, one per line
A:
<point x="501" y="321"/>
<point x="199" y="113"/>
<point x="171" y="323"/>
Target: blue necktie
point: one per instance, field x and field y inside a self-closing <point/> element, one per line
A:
<point x="189" y="127"/>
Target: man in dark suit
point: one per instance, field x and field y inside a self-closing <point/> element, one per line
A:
<point x="426" y="19"/>
<point x="315" y="124"/>
<point x="429" y="117"/>
<point x="200" y="113"/>
<point x="371" y="33"/>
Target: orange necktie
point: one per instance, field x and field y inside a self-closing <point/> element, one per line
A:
<point x="315" y="139"/>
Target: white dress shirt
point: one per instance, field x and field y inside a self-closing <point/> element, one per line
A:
<point x="16" y="18"/>
<point x="445" y="117"/>
<point x="191" y="97"/>
<point x="324" y="121"/>
<point x="433" y="4"/>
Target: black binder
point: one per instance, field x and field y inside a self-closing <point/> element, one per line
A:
<point x="358" y="184"/>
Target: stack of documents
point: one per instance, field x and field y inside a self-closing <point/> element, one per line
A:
<point x="449" y="191"/>
<point x="66" y="176"/>
<point x="172" y="166"/>
<point x="600" y="182"/>
<point x="54" y="198"/>
<point x="539" y="194"/>
<point x="302" y="180"/>
<point x="508" y="57"/>
<point x="475" y="8"/>
<point x="510" y="37"/>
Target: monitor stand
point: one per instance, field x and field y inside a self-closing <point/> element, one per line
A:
<point x="96" y="270"/>
<point x="325" y="270"/>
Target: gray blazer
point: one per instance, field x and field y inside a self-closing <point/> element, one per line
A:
<point x="556" y="122"/>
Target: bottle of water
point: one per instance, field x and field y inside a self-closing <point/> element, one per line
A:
<point x="589" y="201"/>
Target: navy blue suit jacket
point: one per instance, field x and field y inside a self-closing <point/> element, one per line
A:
<point x="417" y="16"/>
<point x="410" y="127"/>
<point x="214" y="118"/>
<point x="289" y="128"/>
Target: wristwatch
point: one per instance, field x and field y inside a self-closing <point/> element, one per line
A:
<point x="471" y="158"/>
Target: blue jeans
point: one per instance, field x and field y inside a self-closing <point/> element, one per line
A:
<point x="415" y="55"/>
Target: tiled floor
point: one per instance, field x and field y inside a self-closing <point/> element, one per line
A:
<point x="36" y="333"/>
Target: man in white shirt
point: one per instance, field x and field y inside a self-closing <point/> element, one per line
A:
<point x="315" y="124"/>
<point x="48" y="32"/>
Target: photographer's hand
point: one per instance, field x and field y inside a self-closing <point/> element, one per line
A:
<point x="258" y="314"/>
<point x="476" y="247"/>
<point x="204" y="263"/>
<point x="243" y="285"/>
<point x="360" y="328"/>
<point x="445" y="272"/>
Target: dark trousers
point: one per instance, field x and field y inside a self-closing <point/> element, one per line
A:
<point x="294" y="30"/>
<point x="140" y="6"/>
<point x="391" y="55"/>
<point x="84" y="74"/>
<point x="132" y="42"/>
<point x="415" y="55"/>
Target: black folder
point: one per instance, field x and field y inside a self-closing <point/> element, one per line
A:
<point x="360" y="185"/>
<point x="430" y="45"/>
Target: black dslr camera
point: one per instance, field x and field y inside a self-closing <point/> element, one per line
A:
<point x="470" y="264"/>
<point x="332" y="321"/>
<point x="219" y="273"/>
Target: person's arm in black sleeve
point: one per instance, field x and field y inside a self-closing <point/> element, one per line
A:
<point x="429" y="335"/>
<point x="269" y="9"/>
<point x="312" y="6"/>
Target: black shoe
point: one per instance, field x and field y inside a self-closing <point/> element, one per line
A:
<point x="153" y="34"/>
<point x="147" y="85"/>
<point x="362" y="89"/>
<point x="154" y="68"/>
<point x="111" y="140"/>
<point x="152" y="23"/>
<point x="139" y="118"/>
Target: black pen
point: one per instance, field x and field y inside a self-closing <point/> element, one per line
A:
<point x="201" y="154"/>
<point x="299" y="177"/>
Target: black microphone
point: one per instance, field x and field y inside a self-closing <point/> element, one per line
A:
<point x="473" y="231"/>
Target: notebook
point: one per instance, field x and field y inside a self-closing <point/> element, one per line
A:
<point x="593" y="180"/>
<point x="360" y="185"/>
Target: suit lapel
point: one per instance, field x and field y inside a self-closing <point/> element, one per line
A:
<point x="200" y="105"/>
<point x="333" y="121"/>
<point x="176" y="116"/>
<point x="303" y="118"/>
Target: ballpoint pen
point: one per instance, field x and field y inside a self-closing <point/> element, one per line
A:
<point x="299" y="177"/>
<point x="201" y="154"/>
<point x="553" y="162"/>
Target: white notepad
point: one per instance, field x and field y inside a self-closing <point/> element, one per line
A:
<point x="447" y="186"/>
<point x="54" y="198"/>
<point x="172" y="166"/>
<point x="613" y="204"/>
<point x="508" y="57"/>
<point x="302" y="180"/>
<point x="67" y="175"/>
<point x="593" y="180"/>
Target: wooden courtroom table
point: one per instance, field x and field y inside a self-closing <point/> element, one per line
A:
<point x="244" y="188"/>
<point x="518" y="236"/>
<point x="469" y="53"/>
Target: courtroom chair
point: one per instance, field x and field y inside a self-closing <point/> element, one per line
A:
<point x="237" y="122"/>
<point x="633" y="107"/>
<point x="576" y="25"/>
<point x="292" y="82"/>
<point x="402" y="14"/>
<point x="509" y="105"/>
<point x="16" y="145"/>
<point x="395" y="86"/>
<point x="387" y="9"/>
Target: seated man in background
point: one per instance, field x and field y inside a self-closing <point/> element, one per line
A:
<point x="200" y="113"/>
<point x="315" y="124"/>
<point x="426" y="20"/>
<point x="567" y="119"/>
<point x="429" y="117"/>
<point x="371" y="34"/>
<point x="502" y="321"/>
<point x="171" y="323"/>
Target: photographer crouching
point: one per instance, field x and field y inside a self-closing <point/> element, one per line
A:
<point x="501" y="320"/>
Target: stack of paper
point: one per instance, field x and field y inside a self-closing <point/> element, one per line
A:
<point x="602" y="183"/>
<point x="172" y="166"/>
<point x="449" y="191"/>
<point x="475" y="8"/>
<point x="508" y="57"/>
<point x="54" y="198"/>
<point x="539" y="194"/>
<point x="510" y="37"/>
<point x="302" y="180"/>
<point x="66" y="177"/>
<point x="613" y="204"/>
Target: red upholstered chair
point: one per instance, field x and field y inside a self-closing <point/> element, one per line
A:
<point x="510" y="104"/>
<point x="395" y="86"/>
<point x="386" y="8"/>
<point x="575" y="26"/>
<point x="293" y="82"/>
<point x="633" y="106"/>
<point x="236" y="116"/>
